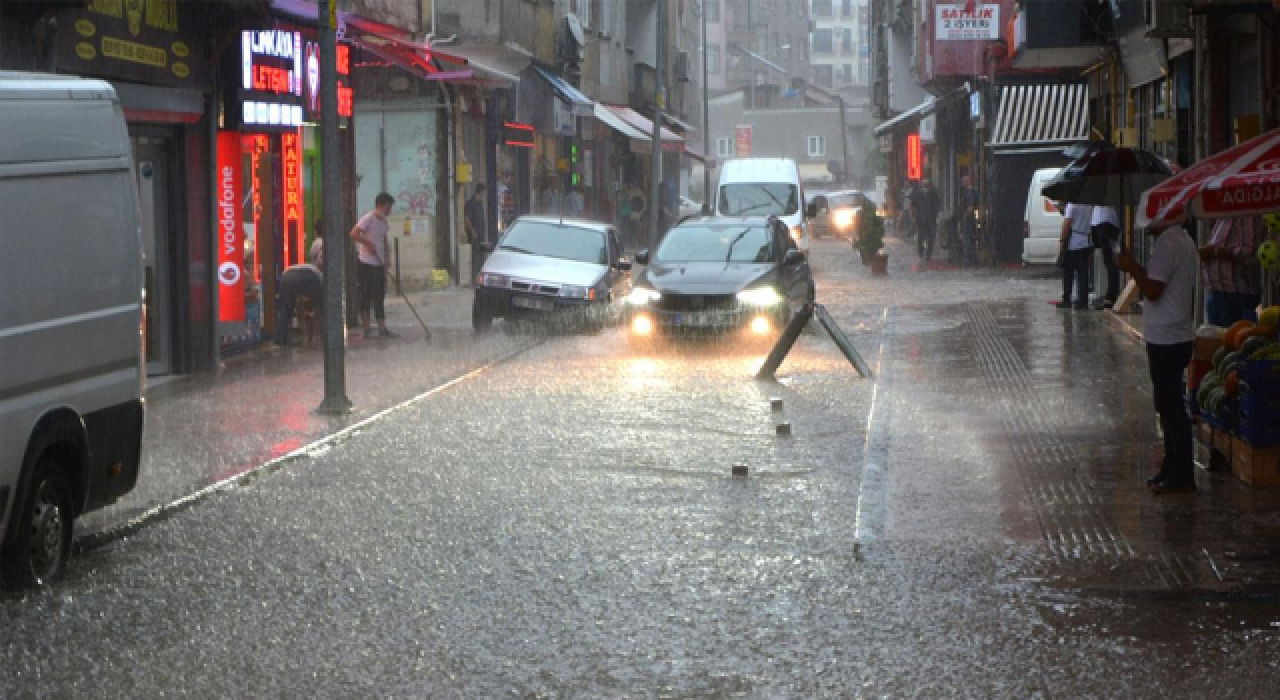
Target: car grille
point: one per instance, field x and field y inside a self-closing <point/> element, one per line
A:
<point x="535" y="288"/>
<point x="691" y="302"/>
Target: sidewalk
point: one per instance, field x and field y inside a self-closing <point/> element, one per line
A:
<point x="205" y="428"/>
<point x="1000" y="415"/>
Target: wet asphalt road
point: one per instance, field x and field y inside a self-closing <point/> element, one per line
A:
<point x="565" y="525"/>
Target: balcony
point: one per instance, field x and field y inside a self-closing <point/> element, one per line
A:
<point x="1061" y="33"/>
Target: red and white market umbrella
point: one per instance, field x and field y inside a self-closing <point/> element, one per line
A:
<point x="1241" y="181"/>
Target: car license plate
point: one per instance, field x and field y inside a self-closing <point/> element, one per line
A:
<point x="529" y="303"/>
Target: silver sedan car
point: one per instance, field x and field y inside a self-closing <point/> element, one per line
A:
<point x="545" y="268"/>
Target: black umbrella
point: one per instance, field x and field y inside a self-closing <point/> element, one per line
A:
<point x="1111" y="177"/>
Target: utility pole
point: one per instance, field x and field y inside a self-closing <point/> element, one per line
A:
<point x="751" y="47"/>
<point x="659" y="99"/>
<point x="335" y="239"/>
<point x="706" y="120"/>
<point x="844" y="140"/>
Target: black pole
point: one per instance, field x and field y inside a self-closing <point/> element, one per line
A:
<point x="706" y="122"/>
<point x="335" y="239"/>
<point x="655" y="166"/>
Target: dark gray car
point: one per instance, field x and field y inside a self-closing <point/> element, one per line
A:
<point x="721" y="275"/>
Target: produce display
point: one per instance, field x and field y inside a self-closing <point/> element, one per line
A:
<point x="1243" y="342"/>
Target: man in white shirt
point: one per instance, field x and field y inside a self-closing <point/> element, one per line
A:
<point x="1076" y="254"/>
<point x="1106" y="236"/>
<point x="1168" y="284"/>
<point x="370" y="235"/>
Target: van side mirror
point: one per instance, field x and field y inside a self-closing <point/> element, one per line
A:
<point x="793" y="257"/>
<point x="811" y="211"/>
<point x="488" y="247"/>
<point x="622" y="264"/>
<point x="642" y="257"/>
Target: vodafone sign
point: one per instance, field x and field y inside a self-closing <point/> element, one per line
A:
<point x="230" y="229"/>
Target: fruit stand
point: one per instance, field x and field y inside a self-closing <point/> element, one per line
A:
<point x="1234" y="395"/>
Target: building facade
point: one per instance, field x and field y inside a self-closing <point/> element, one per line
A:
<point x="840" y="48"/>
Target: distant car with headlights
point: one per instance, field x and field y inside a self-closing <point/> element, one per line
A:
<point x="838" y="212"/>
<point x="545" y="267"/>
<point x="719" y="275"/>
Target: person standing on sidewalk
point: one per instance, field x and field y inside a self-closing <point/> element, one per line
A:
<point x="966" y="207"/>
<point x="1076" y="255"/>
<point x="1106" y="236"/>
<point x="1232" y="277"/>
<point x="474" y="223"/>
<point x="1168" y="284"/>
<point x="370" y="235"/>
<point x="924" y="209"/>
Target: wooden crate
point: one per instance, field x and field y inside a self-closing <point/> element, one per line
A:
<point x="1223" y="442"/>
<point x="1256" y="466"/>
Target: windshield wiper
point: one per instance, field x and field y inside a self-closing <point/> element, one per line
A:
<point x="729" y="256"/>
<point x="754" y="207"/>
<point x="515" y="249"/>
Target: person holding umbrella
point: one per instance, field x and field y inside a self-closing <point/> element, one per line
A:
<point x="1076" y="253"/>
<point x="1168" y="283"/>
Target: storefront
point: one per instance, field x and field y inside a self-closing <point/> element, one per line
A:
<point x="151" y="55"/>
<point x="268" y="171"/>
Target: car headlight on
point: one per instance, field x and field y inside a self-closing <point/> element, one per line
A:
<point x="796" y="232"/>
<point x="573" y="291"/>
<point x="761" y="296"/>
<point x="640" y="296"/>
<point x="488" y="279"/>
<point x="844" y="218"/>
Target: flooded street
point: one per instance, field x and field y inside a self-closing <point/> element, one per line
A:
<point x="971" y="523"/>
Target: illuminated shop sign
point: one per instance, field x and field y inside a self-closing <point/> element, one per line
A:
<point x="231" y="256"/>
<point x="915" y="157"/>
<point x="518" y="135"/>
<point x="291" y="165"/>
<point x="280" y="79"/>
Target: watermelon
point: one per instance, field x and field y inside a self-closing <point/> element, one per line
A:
<point x="1218" y="355"/>
<point x="1253" y="345"/>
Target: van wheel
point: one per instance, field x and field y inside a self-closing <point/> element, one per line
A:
<point x="39" y="542"/>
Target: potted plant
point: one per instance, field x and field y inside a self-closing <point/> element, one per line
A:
<point x="870" y="241"/>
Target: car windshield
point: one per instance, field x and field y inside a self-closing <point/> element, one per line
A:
<point x="759" y="199"/>
<point x="722" y="244"/>
<point x="556" y="241"/>
<point x="844" y="199"/>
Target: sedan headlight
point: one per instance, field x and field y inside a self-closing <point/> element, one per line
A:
<point x="797" y="232"/>
<point x="844" y="218"/>
<point x="761" y="296"/>
<point x="488" y="279"/>
<point x="572" y="291"/>
<point x="640" y="296"/>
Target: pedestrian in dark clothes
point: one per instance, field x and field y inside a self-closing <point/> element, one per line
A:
<point x="924" y="208"/>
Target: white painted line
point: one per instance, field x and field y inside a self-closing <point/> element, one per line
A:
<point x="858" y="530"/>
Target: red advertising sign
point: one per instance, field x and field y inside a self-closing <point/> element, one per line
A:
<point x="294" y="227"/>
<point x="230" y="229"/>
<point x="915" y="157"/>
<point x="742" y="141"/>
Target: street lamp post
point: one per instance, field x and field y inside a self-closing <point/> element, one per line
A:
<point x="706" y="119"/>
<point x="335" y="245"/>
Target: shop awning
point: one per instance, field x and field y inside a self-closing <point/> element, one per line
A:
<point x="695" y="154"/>
<point x="501" y="63"/>
<point x="670" y="140"/>
<point x="1040" y="118"/>
<point x="396" y="47"/>
<point x="579" y="104"/>
<point x="639" y="141"/>
<point x="923" y="109"/>
<point x="678" y="123"/>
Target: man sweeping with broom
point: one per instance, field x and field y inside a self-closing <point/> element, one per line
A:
<point x="370" y="235"/>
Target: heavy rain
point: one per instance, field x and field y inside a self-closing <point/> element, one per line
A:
<point x="713" y="349"/>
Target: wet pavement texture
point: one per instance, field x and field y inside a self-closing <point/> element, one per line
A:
<point x="970" y="524"/>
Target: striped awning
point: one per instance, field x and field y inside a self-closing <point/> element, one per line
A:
<point x="1041" y="118"/>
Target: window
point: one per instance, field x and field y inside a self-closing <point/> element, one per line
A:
<point x="713" y="10"/>
<point x="846" y="8"/>
<point x="713" y="59"/>
<point x="846" y="73"/>
<point x="847" y="46"/>
<point x="581" y="8"/>
<point x="724" y="147"/>
<point x="822" y="8"/>
<point x="817" y="146"/>
<point x="863" y="73"/>
<point x="822" y="75"/>
<point x="822" y="41"/>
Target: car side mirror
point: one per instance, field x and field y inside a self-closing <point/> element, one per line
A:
<point x="811" y="211"/>
<point x="793" y="257"/>
<point x="642" y="257"/>
<point x="623" y="265"/>
<point x="488" y="247"/>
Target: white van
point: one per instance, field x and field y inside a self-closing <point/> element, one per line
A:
<point x="764" y="187"/>
<point x="1041" y="222"/>
<point x="71" y="357"/>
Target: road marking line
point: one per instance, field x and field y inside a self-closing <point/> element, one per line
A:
<point x="862" y="528"/>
